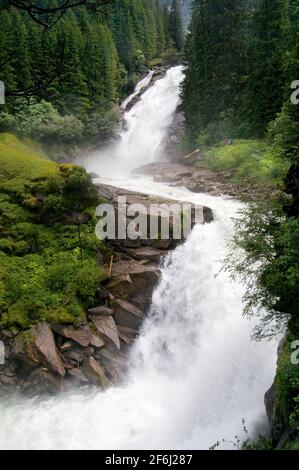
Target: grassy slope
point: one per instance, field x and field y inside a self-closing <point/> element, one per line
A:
<point x="21" y="158"/>
<point x="248" y="162"/>
<point x="43" y="273"/>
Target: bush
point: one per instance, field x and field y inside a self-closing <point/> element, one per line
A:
<point x="287" y="388"/>
<point x="8" y="122"/>
<point x="284" y="132"/>
<point x="268" y="264"/>
<point x="249" y="160"/>
<point x="215" y="134"/>
<point x="100" y="125"/>
<point x="42" y="122"/>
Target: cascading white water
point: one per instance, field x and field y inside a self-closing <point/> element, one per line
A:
<point x="195" y="372"/>
<point x="138" y="89"/>
<point x="145" y="127"/>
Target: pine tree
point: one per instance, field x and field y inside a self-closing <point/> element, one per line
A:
<point x="266" y="71"/>
<point x="21" y="57"/>
<point x="176" y="25"/>
<point x="168" y="39"/>
<point x="159" y="20"/>
<point x="215" y="52"/>
<point x="72" y="87"/>
<point x="83" y="63"/>
<point x="7" y="72"/>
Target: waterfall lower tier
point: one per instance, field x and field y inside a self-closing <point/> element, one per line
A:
<point x="195" y="371"/>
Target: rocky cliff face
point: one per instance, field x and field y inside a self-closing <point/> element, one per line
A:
<point x="172" y="143"/>
<point x="50" y="358"/>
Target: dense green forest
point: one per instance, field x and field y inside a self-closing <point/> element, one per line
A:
<point x="243" y="60"/>
<point x="63" y="84"/>
<point x="242" y="57"/>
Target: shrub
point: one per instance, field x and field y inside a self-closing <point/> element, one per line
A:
<point x="268" y="264"/>
<point x="8" y="122"/>
<point x="250" y="160"/>
<point x="42" y="122"/>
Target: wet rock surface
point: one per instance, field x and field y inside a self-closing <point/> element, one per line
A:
<point x="155" y="212"/>
<point x="171" y="144"/>
<point x="190" y="172"/>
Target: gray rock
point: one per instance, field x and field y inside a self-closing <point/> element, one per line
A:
<point x="82" y="335"/>
<point x="41" y="381"/>
<point x="37" y="346"/>
<point x="105" y="325"/>
<point x="127" y="315"/>
<point x="101" y="311"/>
<point x="94" y="372"/>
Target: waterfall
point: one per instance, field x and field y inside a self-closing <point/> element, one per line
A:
<point x="145" y="126"/>
<point x="195" y="372"/>
<point x="138" y="89"/>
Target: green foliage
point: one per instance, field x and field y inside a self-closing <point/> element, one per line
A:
<point x="7" y="122"/>
<point x="284" y="132"/>
<point x="21" y="160"/>
<point x="249" y="161"/>
<point x="267" y="44"/>
<point x="176" y="25"/>
<point x="268" y="264"/>
<point x="48" y="247"/>
<point x="241" y="57"/>
<point x="53" y="289"/>
<point x="287" y="387"/>
<point x="215" y="55"/>
<point x="99" y="125"/>
<point x="79" y="70"/>
<point x="43" y="123"/>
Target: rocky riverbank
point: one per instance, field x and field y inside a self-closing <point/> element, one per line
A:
<point x="192" y="173"/>
<point x="49" y="358"/>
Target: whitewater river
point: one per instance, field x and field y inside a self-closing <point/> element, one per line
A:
<point x="195" y="372"/>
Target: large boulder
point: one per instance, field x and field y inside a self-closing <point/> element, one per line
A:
<point x="165" y="172"/>
<point x="82" y="335"/>
<point x="75" y="356"/>
<point x="105" y="325"/>
<point x="127" y="315"/>
<point x="115" y="365"/>
<point x="147" y="253"/>
<point x="193" y="158"/>
<point x="100" y="311"/>
<point x="154" y="213"/>
<point x="37" y="346"/>
<point x="94" y="372"/>
<point x="41" y="381"/>
<point x="77" y="376"/>
<point x="133" y="280"/>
